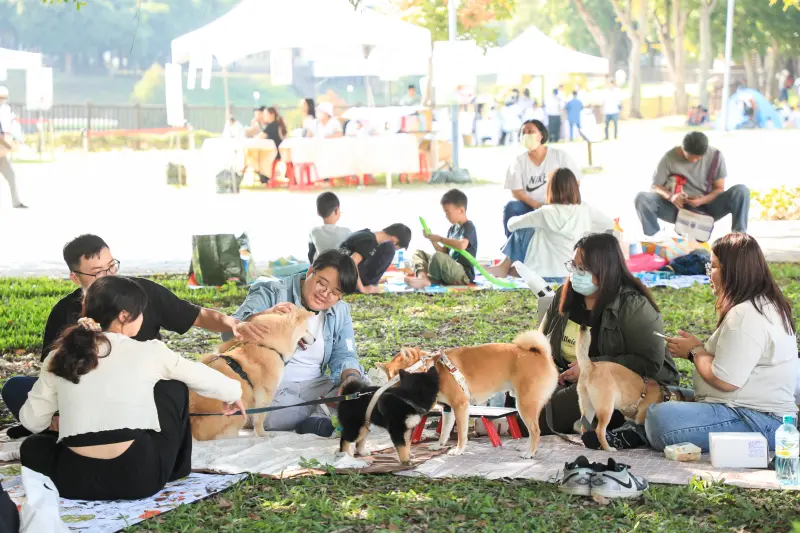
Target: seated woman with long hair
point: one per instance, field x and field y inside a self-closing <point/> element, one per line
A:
<point x="744" y="376"/>
<point x="544" y="239"/>
<point x="123" y="405"/>
<point x="602" y="294"/>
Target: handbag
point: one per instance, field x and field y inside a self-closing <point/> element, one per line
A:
<point x="217" y="259"/>
<point x="695" y="223"/>
<point x="448" y="174"/>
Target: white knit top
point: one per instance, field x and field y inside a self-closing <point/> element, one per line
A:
<point x="118" y="393"/>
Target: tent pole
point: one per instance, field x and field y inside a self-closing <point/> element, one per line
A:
<point x="726" y="81"/>
<point x="227" y="94"/>
<point x="452" y="34"/>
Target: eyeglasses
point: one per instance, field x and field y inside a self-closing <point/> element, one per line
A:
<point x="572" y="268"/>
<point x="322" y="289"/>
<point x="110" y="271"/>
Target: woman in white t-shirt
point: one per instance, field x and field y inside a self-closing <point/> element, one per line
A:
<point x="308" y="110"/>
<point x="123" y="427"/>
<point x="744" y="376"/>
<point x="527" y="175"/>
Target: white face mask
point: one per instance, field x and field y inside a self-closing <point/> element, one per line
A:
<point x="530" y="141"/>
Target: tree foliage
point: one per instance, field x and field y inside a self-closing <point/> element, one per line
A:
<point x="476" y="19"/>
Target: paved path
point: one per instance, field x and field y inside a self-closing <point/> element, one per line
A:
<point x="122" y="197"/>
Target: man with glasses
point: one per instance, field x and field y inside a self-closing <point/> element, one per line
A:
<point x="89" y="258"/>
<point x="319" y="369"/>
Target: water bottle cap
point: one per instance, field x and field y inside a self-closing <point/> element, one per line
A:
<point x="788" y="419"/>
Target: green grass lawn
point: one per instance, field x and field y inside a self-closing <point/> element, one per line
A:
<point x="347" y="503"/>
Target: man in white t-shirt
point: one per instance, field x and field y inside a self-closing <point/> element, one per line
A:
<point x="7" y="134"/>
<point x="552" y="107"/>
<point x="527" y="175"/>
<point x="612" y="104"/>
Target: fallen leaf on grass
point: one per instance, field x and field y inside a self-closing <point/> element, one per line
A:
<point x="253" y="516"/>
<point x="460" y="518"/>
<point x="225" y="504"/>
<point x="393" y="527"/>
<point x="481" y="523"/>
<point x="600" y="500"/>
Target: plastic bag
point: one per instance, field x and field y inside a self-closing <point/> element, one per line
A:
<point x="40" y="510"/>
<point x="217" y="259"/>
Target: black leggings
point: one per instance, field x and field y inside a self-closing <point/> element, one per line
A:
<point x="153" y="459"/>
<point x="372" y="268"/>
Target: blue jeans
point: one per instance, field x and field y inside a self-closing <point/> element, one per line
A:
<point x="514" y="208"/>
<point x="516" y="247"/>
<point x="735" y="201"/>
<point x="615" y="119"/>
<point x="675" y="422"/>
<point x="572" y="126"/>
<point x="15" y="393"/>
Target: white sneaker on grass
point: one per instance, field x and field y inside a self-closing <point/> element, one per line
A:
<point x="577" y="477"/>
<point x="616" y="481"/>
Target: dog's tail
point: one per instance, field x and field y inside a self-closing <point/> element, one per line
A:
<point x="582" y="344"/>
<point x="533" y="341"/>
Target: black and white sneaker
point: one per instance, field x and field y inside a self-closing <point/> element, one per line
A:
<point x="616" y="481"/>
<point x="577" y="477"/>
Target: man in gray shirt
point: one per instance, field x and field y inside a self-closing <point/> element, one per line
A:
<point x="328" y="236"/>
<point x="702" y="170"/>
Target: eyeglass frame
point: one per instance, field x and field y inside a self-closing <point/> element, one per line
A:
<point x="572" y="268"/>
<point x="322" y="288"/>
<point x="115" y="265"/>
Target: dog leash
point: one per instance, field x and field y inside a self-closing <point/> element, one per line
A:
<point x="256" y="410"/>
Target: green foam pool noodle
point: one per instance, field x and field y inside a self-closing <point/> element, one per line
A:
<point x="473" y="262"/>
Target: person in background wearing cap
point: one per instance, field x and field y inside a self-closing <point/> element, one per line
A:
<point x="7" y="119"/>
<point x="328" y="126"/>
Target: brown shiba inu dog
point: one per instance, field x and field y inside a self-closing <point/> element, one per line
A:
<point x="525" y="368"/>
<point x="257" y="366"/>
<point x="604" y="386"/>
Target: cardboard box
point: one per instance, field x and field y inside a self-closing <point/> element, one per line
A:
<point x="738" y="450"/>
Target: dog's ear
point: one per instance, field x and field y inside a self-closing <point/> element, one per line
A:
<point x="403" y="373"/>
<point x="432" y="370"/>
<point x="380" y="366"/>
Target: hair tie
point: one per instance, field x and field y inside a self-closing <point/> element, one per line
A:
<point x="89" y="324"/>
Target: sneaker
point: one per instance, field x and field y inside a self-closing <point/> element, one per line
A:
<point x="615" y="481"/>
<point x="622" y="438"/>
<point x="317" y="425"/>
<point x="17" y="432"/>
<point x="577" y="478"/>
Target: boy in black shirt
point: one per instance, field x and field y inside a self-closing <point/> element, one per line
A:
<point x="441" y="268"/>
<point x="372" y="252"/>
<point x="89" y="258"/>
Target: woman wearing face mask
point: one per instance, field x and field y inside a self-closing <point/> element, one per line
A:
<point x="527" y="175"/>
<point x="745" y="375"/>
<point x="602" y="294"/>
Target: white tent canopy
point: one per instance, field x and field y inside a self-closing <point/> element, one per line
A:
<point x="18" y="60"/>
<point x="256" y="26"/>
<point x="536" y="54"/>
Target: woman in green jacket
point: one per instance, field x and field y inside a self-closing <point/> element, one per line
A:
<point x="602" y="294"/>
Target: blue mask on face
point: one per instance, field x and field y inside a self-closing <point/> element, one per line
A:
<point x="582" y="283"/>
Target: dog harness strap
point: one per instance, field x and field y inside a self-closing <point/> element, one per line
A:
<point x="455" y="372"/>
<point x="236" y="367"/>
<point x="417" y="408"/>
<point x="374" y="401"/>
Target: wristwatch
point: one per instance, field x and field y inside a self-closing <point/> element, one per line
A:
<point x="690" y="357"/>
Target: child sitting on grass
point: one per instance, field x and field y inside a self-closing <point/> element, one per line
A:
<point x="328" y="236"/>
<point x="447" y="267"/>
<point x="373" y="251"/>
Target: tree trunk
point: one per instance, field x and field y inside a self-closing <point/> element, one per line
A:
<point x="605" y="43"/>
<point x="750" y="70"/>
<point x="706" y="51"/>
<point x="671" y="34"/>
<point x="636" y="35"/>
<point x="771" y="69"/>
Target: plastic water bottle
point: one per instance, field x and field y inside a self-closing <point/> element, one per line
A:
<point x="787" y="450"/>
<point x="400" y="260"/>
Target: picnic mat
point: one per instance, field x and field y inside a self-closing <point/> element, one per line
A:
<point x="483" y="460"/>
<point x="111" y="516"/>
<point x="393" y="283"/>
<point x="286" y="454"/>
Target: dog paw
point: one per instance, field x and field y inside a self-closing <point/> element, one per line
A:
<point x="611" y="449"/>
<point x="405" y="463"/>
<point x="456" y="451"/>
<point x="527" y="454"/>
<point x="435" y="447"/>
<point x="340" y="454"/>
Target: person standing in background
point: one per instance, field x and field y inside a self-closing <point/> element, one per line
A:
<point x="552" y="108"/>
<point x="612" y="104"/>
<point x="574" y="108"/>
<point x="7" y="136"/>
